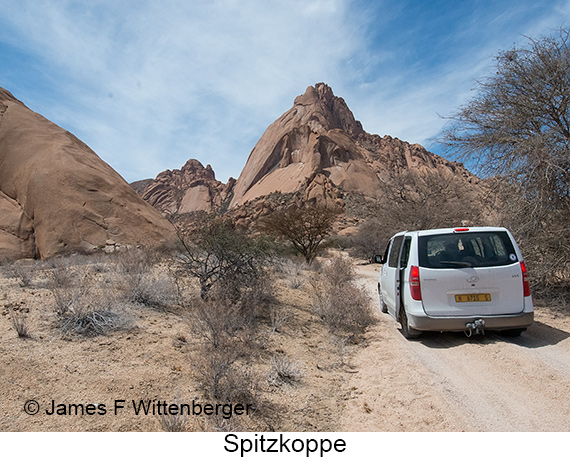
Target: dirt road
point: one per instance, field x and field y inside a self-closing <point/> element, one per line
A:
<point x="447" y="382"/>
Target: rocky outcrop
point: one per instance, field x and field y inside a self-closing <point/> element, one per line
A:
<point x="192" y="188"/>
<point x="58" y="196"/>
<point x="317" y="147"/>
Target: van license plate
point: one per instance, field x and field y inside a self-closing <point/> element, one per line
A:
<point x="464" y="298"/>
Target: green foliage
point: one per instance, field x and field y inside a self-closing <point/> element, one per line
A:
<point x="220" y="251"/>
<point x="306" y="228"/>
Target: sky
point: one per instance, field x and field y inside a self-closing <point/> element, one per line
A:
<point x="151" y="84"/>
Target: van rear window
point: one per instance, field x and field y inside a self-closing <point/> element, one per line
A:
<point x="466" y="249"/>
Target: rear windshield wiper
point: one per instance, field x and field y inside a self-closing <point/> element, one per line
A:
<point x="457" y="263"/>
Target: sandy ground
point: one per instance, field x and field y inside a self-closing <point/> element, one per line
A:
<point x="447" y="382"/>
<point x="440" y="382"/>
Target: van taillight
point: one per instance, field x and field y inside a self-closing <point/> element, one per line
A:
<point x="415" y="288"/>
<point x="526" y="283"/>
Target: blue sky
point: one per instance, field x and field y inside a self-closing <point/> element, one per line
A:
<point x="148" y="84"/>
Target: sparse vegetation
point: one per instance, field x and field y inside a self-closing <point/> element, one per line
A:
<point x="81" y="308"/>
<point x="19" y="323"/>
<point x="233" y="338"/>
<point x="344" y="306"/>
<point x="306" y="228"/>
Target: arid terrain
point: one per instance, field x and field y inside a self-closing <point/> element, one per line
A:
<point x="304" y="377"/>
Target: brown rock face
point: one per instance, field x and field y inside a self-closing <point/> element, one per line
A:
<point x="57" y="195"/>
<point x="192" y="188"/>
<point x="318" y="147"/>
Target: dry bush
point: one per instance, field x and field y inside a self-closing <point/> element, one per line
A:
<point x="19" y="323"/>
<point x="369" y="241"/>
<point x="345" y="307"/>
<point x="306" y="228"/>
<point x="155" y="290"/>
<point x="284" y="371"/>
<point x="23" y="271"/>
<point x="232" y="312"/>
<point x="292" y="270"/>
<point x="339" y="271"/>
<point x="174" y="422"/>
<point x="145" y="280"/>
<point x="278" y="318"/>
<point x="81" y="308"/>
<point x="215" y="322"/>
<point x="224" y="377"/>
<point x="220" y="252"/>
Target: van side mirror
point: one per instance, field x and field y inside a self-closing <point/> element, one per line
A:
<point x="378" y="259"/>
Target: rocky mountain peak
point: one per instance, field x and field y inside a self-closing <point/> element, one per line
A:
<point x="329" y="111"/>
<point x="192" y="188"/>
<point x="316" y="136"/>
<point x="316" y="152"/>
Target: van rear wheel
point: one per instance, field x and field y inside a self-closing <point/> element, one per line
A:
<point x="408" y="332"/>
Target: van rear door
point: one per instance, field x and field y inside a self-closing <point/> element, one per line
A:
<point x="390" y="277"/>
<point x="470" y="273"/>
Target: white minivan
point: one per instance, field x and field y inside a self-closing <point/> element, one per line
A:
<point x="455" y="279"/>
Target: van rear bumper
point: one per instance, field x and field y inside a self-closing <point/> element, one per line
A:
<point x="458" y="324"/>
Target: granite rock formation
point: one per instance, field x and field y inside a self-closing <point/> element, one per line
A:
<point x="57" y="196"/>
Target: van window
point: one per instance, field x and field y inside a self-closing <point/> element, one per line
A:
<point x="405" y="252"/>
<point x="395" y="251"/>
<point x="464" y="250"/>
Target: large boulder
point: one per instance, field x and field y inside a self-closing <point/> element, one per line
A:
<point x="57" y="196"/>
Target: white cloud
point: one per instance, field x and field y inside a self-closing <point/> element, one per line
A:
<point x="149" y="84"/>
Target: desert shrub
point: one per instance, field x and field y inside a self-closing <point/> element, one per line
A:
<point x="173" y="422"/>
<point x="19" y="323"/>
<point x="305" y="228"/>
<point x="339" y="271"/>
<point x="284" y="371"/>
<point x="82" y="309"/>
<point x="145" y="280"/>
<point x="368" y="241"/>
<point x="157" y="291"/>
<point x="225" y="377"/>
<point x="232" y="311"/>
<point x="215" y="322"/>
<point x="291" y="269"/>
<point x="344" y="306"/>
<point x="23" y="271"/>
<point x="221" y="252"/>
<point x="278" y="318"/>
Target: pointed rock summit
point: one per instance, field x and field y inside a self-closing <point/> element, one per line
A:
<point x="58" y="196"/>
<point x="316" y="137"/>
<point x="192" y="188"/>
<point x="319" y="148"/>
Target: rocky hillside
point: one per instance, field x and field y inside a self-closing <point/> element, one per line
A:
<point x="58" y="196"/>
<point x="192" y="188"/>
<point x="318" y="147"/>
<point x="316" y="152"/>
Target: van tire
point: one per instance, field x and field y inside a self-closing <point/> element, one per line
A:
<point x="383" y="306"/>
<point x="408" y="332"/>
